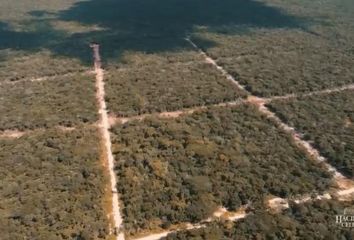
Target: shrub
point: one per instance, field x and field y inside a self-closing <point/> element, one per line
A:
<point x="318" y="222"/>
<point x="52" y="191"/>
<point x="298" y="62"/>
<point x="246" y="158"/>
<point x="60" y="101"/>
<point x="166" y="87"/>
<point x="325" y="121"/>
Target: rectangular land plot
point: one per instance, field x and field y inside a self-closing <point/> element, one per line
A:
<point x="139" y="50"/>
<point x="166" y="87"/>
<point x="52" y="186"/>
<point x="60" y="101"/>
<point x="326" y="121"/>
<point x="21" y="66"/>
<point x="316" y="220"/>
<point x="298" y="62"/>
<point x="182" y="170"/>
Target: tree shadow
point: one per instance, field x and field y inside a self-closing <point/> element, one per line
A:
<point x="150" y="26"/>
<point x="39" y="36"/>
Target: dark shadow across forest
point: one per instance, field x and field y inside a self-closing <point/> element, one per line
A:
<point x="141" y="25"/>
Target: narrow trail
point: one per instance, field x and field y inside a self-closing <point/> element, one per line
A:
<point x="251" y="99"/>
<point x="13" y="133"/>
<point x="113" y="120"/>
<point x="221" y="213"/>
<point x="107" y="144"/>
<point x="346" y="185"/>
<point x="43" y="79"/>
<point x="212" y="62"/>
<point x="278" y="204"/>
<point x="173" y="114"/>
<point x="313" y="93"/>
<point x="123" y="68"/>
<point x="275" y="205"/>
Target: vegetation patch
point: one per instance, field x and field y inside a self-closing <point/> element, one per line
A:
<point x="166" y="87"/>
<point x="315" y="220"/>
<point x="61" y="101"/>
<point x="138" y="50"/>
<point x="327" y="122"/>
<point x="298" y="62"/>
<point x="52" y="186"/>
<point x="36" y="65"/>
<point x="182" y="170"/>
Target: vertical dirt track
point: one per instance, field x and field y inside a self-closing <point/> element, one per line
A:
<point x="106" y="142"/>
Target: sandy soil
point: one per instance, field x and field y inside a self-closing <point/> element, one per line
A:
<point x="12" y="134"/>
<point x="66" y="129"/>
<point x="18" y="134"/>
<point x="314" y="93"/>
<point x="212" y="62"/>
<point x="347" y="122"/>
<point x="121" y="120"/>
<point x="260" y="102"/>
<point x="221" y="213"/>
<point x="113" y="120"/>
<point x="106" y="138"/>
<point x="277" y="204"/>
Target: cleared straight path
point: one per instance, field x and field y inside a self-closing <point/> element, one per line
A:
<point x="115" y="215"/>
